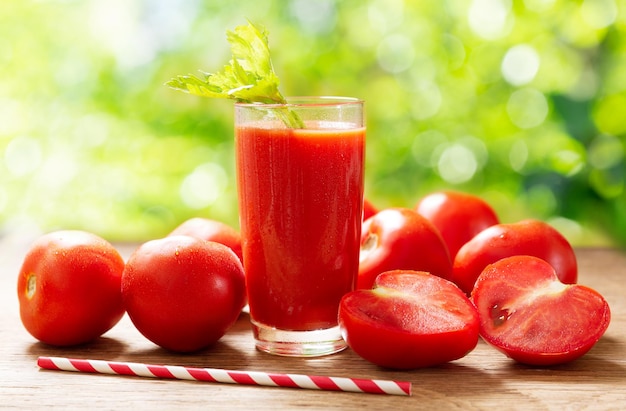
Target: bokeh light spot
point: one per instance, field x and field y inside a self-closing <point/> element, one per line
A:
<point x="605" y="114"/>
<point x="11" y="116"/>
<point x="488" y="18"/>
<point x="527" y="108"/>
<point x="455" y="50"/>
<point x="570" y="229"/>
<point x="425" y="100"/>
<point x="567" y="162"/>
<point x="58" y="169"/>
<point x="518" y="155"/>
<point x="605" y="151"/>
<point x="424" y="144"/>
<point x="606" y="183"/>
<point x="91" y="130"/>
<point x="315" y="16"/>
<point x="478" y="148"/>
<point x="385" y="15"/>
<point x="599" y="13"/>
<point x="395" y="53"/>
<point x="204" y="185"/>
<point x="520" y="65"/>
<point x="457" y="164"/>
<point x="539" y="5"/>
<point x="23" y="156"/>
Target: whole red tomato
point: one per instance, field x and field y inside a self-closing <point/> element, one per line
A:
<point x="458" y="216"/>
<point x="527" y="237"/>
<point x="368" y="209"/>
<point x="183" y="293"/>
<point x="400" y="239"/>
<point x="211" y="230"/>
<point x="409" y="320"/>
<point x="532" y="317"/>
<point x="69" y="288"/>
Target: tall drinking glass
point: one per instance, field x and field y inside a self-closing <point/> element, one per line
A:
<point x="300" y="204"/>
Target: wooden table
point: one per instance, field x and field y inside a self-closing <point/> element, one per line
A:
<point x="484" y="379"/>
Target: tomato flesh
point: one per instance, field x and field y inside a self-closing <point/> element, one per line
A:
<point x="527" y="313"/>
<point x="410" y="319"/>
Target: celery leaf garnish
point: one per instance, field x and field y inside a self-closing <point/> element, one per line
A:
<point x="249" y="78"/>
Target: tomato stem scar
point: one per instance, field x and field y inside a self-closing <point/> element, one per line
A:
<point x="368" y="246"/>
<point x="31" y="285"/>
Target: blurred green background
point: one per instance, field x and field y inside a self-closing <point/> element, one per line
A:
<point x="520" y="102"/>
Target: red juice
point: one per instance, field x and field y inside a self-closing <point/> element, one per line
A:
<point x="300" y="195"/>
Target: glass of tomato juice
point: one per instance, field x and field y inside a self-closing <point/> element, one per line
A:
<point x="300" y="204"/>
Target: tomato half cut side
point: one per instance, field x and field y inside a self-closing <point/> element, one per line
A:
<point x="527" y="313"/>
<point x="409" y="320"/>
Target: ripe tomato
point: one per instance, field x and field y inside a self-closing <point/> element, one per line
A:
<point x="458" y="216"/>
<point x="183" y="293"/>
<point x="400" y="239"/>
<point x="409" y="320"/>
<point x="527" y="237"/>
<point x="211" y="230"/>
<point x="532" y="317"/>
<point x="368" y="209"/>
<point x="69" y="288"/>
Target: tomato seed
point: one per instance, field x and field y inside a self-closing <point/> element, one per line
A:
<point x="499" y="315"/>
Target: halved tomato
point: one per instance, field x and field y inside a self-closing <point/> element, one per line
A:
<point x="527" y="313"/>
<point x="410" y="319"/>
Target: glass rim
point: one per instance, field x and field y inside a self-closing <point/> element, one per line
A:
<point x="307" y="101"/>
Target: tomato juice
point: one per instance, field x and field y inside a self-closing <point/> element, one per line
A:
<point x="301" y="198"/>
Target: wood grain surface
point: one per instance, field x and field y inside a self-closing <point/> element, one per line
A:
<point x="483" y="380"/>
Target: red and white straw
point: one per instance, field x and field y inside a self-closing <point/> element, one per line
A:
<point x="311" y="382"/>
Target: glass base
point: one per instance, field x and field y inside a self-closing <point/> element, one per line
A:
<point x="298" y="343"/>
